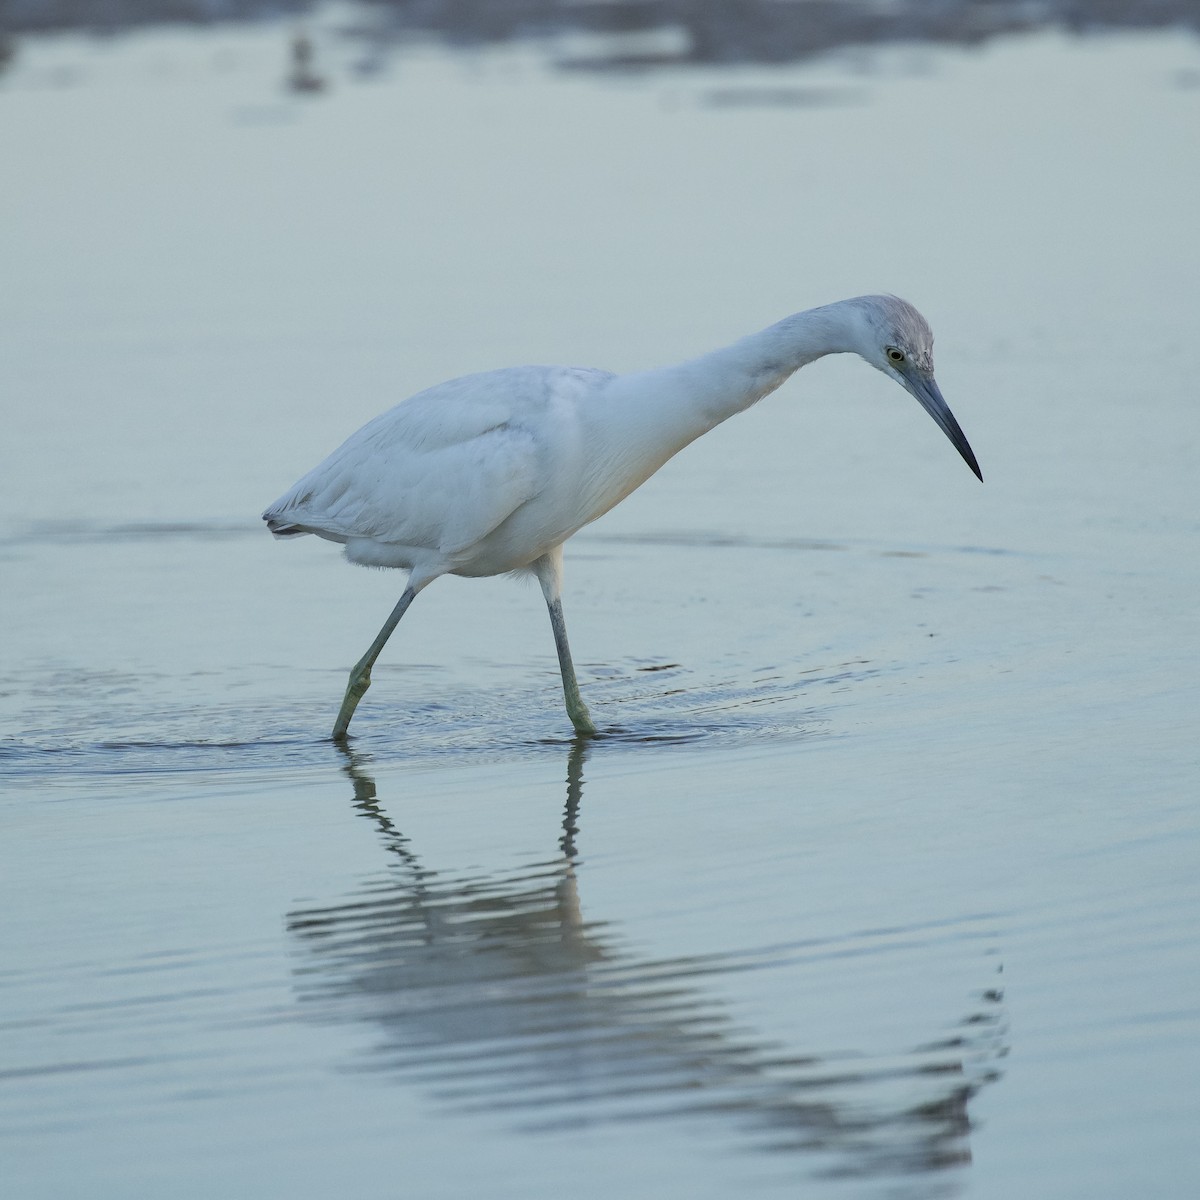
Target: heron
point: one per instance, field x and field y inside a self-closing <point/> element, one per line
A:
<point x="492" y="473"/>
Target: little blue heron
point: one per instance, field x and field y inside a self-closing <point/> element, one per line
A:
<point x="492" y="473"/>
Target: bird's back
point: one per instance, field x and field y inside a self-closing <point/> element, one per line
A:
<point x="442" y="469"/>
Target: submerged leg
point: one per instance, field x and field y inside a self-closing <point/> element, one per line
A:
<point x="549" y="573"/>
<point x="360" y="676"/>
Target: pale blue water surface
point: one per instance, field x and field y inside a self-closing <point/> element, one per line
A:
<point x="884" y="878"/>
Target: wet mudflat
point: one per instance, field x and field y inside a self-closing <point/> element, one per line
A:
<point x="882" y="879"/>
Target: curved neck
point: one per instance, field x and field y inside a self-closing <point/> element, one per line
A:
<point x="705" y="391"/>
<point x="651" y="415"/>
<point x="731" y="379"/>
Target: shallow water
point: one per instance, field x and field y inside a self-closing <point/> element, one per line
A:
<point x="883" y="878"/>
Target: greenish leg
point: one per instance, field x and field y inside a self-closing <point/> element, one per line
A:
<point x="576" y="709"/>
<point x="548" y="569"/>
<point x="360" y="676"/>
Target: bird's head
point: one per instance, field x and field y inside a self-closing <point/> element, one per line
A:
<point x="893" y="337"/>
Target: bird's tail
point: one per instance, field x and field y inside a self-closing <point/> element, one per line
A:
<point x="281" y="527"/>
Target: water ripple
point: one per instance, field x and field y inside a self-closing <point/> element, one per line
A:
<point x="88" y="723"/>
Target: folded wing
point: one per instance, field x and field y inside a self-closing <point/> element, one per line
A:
<point x="436" y="473"/>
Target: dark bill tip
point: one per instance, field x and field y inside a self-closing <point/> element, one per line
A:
<point x="930" y="398"/>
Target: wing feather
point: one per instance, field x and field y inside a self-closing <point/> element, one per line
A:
<point x="437" y="472"/>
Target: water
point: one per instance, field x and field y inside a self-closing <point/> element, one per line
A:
<point x="884" y="878"/>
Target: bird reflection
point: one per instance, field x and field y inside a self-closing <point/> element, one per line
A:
<point x="495" y="994"/>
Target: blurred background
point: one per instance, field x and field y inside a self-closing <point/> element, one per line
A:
<point x="635" y="33"/>
<point x="882" y="879"/>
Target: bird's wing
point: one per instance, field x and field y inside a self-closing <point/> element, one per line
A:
<point x="440" y="470"/>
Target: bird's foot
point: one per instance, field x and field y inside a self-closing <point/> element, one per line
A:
<point x="581" y="719"/>
<point x="355" y="691"/>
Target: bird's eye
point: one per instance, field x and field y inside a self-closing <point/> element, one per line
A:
<point x="894" y="355"/>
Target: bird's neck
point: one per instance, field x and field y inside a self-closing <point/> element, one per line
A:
<point x="650" y="416"/>
<point x="730" y="380"/>
<point x="699" y="394"/>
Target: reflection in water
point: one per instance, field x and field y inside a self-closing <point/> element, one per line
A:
<point x="495" y="993"/>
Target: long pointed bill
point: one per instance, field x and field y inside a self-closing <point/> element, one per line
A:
<point x="930" y="397"/>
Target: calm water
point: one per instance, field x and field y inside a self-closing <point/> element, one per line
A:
<point x="884" y="878"/>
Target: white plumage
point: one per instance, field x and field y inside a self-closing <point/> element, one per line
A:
<point x="494" y="472"/>
<point x="424" y="484"/>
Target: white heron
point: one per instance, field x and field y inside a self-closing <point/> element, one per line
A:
<point x="492" y="473"/>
